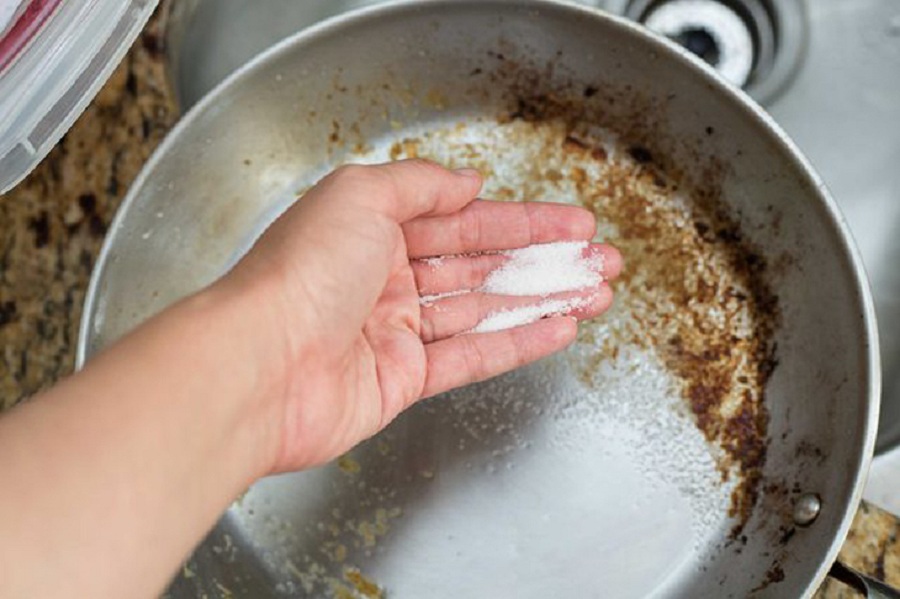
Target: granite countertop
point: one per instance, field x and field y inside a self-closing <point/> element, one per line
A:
<point x="54" y="222"/>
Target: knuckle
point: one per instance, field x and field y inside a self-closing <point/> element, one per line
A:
<point x="423" y="164"/>
<point x="368" y="185"/>
<point x="481" y="269"/>
<point x="533" y="217"/>
<point x="473" y="359"/>
<point x="353" y="173"/>
<point x="483" y="307"/>
<point x="521" y="348"/>
<point x="426" y="328"/>
<point x="420" y="276"/>
<point x="469" y="230"/>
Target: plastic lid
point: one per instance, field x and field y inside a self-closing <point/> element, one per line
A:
<point x="54" y="57"/>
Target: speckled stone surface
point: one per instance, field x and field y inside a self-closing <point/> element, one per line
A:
<point x="52" y="226"/>
<point x="872" y="547"/>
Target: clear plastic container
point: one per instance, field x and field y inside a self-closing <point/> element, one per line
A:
<point x="53" y="61"/>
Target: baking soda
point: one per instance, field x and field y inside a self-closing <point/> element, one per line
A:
<point x="538" y="270"/>
<point x="516" y="317"/>
<point x="547" y="268"/>
<point x="541" y="270"/>
<point x="429" y="300"/>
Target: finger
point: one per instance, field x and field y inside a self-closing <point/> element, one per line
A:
<point x="454" y="273"/>
<point x="406" y="189"/>
<point x="454" y="315"/>
<point x="467" y="359"/>
<point x="344" y="234"/>
<point x="612" y="260"/>
<point x="486" y="225"/>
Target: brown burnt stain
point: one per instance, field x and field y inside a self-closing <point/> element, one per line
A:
<point x="706" y="354"/>
<point x="362" y="585"/>
<point x="787" y="535"/>
<point x="774" y="575"/>
<point x="573" y="141"/>
<point x="776" y="500"/>
<point x="724" y="370"/>
<point x="712" y="278"/>
<point x="809" y="452"/>
<point x="335" y="135"/>
<point x="640" y="154"/>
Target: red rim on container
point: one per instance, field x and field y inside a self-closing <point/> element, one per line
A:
<point x="24" y="29"/>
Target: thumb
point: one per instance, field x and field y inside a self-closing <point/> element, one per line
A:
<point x="402" y="190"/>
<point x="334" y="250"/>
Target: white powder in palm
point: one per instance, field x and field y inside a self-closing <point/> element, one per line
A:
<point x="538" y="270"/>
<point x="429" y="300"/>
<point x="541" y="270"/>
<point x="547" y="268"/>
<point x="516" y="317"/>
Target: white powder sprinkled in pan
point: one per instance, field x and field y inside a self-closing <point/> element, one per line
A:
<point x="516" y="317"/>
<point x="544" y="269"/>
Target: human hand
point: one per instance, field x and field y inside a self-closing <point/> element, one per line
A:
<point x="337" y="284"/>
<point x="313" y="342"/>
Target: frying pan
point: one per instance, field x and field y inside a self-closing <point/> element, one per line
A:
<point x="691" y="444"/>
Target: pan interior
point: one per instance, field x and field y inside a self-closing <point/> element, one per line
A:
<point x="634" y="464"/>
<point x="528" y="479"/>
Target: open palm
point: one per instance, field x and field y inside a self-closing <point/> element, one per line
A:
<point x="355" y="343"/>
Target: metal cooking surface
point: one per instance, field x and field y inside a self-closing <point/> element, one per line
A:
<point x="479" y="481"/>
<point x="609" y="441"/>
<point x="836" y="68"/>
<point x="212" y="38"/>
<point x="843" y="110"/>
<point x="444" y="505"/>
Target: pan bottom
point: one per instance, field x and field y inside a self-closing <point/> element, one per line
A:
<point x="533" y="482"/>
<point x="590" y="470"/>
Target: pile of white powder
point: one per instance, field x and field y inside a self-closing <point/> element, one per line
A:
<point x="516" y="317"/>
<point x="544" y="269"/>
<point x="538" y="271"/>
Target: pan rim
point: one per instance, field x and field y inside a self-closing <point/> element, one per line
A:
<point x="871" y="377"/>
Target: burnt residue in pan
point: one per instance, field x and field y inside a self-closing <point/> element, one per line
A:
<point x="710" y="276"/>
<point x="723" y="364"/>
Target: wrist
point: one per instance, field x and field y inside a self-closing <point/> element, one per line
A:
<point x="250" y="363"/>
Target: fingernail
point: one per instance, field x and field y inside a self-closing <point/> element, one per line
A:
<point x="468" y="172"/>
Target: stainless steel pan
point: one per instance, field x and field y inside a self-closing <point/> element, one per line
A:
<point x="708" y="438"/>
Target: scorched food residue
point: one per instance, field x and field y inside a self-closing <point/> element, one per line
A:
<point x="677" y="368"/>
<point x="691" y="292"/>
